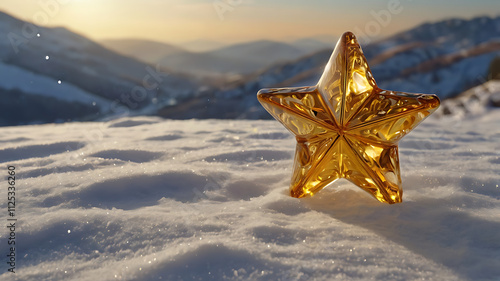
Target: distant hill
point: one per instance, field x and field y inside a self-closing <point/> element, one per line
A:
<point x="144" y="50"/>
<point x="262" y="51"/>
<point x="242" y="58"/>
<point x="201" y="45"/>
<point x="311" y="45"/>
<point x="208" y="64"/>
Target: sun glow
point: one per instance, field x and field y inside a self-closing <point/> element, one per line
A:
<point x="186" y="20"/>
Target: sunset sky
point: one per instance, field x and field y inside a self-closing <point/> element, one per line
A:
<point x="231" y="21"/>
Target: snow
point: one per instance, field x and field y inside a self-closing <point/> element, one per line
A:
<point x="14" y="77"/>
<point x="149" y="199"/>
<point x="473" y="102"/>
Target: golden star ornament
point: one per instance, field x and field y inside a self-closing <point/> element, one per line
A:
<point x="347" y="127"/>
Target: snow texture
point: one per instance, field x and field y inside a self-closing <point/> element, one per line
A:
<point x="149" y="199"/>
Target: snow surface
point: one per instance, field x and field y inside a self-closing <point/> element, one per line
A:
<point x="149" y="199"/>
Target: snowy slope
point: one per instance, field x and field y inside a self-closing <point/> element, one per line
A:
<point x="475" y="101"/>
<point x="14" y="77"/>
<point x="148" y="199"/>
<point x="82" y="62"/>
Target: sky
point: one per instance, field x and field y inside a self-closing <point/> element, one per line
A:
<point x="230" y="21"/>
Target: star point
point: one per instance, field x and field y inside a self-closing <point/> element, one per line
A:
<point x="347" y="127"/>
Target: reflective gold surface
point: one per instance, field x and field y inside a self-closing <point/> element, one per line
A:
<point x="346" y="127"/>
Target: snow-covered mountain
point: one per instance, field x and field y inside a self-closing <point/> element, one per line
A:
<point x="70" y="73"/>
<point x="444" y="58"/>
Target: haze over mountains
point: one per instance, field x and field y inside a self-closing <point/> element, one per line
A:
<point x="62" y="76"/>
<point x="202" y="45"/>
<point x="241" y="58"/>
<point x="144" y="50"/>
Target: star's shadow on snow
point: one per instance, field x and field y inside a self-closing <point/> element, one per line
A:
<point x="434" y="228"/>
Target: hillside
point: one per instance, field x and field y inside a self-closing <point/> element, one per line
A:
<point x="70" y="68"/>
<point x="145" y="50"/>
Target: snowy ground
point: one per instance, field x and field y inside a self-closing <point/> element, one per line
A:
<point x="147" y="199"/>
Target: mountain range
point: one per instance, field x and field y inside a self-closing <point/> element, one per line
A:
<point x="144" y="50"/>
<point x="56" y="75"/>
<point x="65" y="76"/>
<point x="238" y="59"/>
<point x="444" y="58"/>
